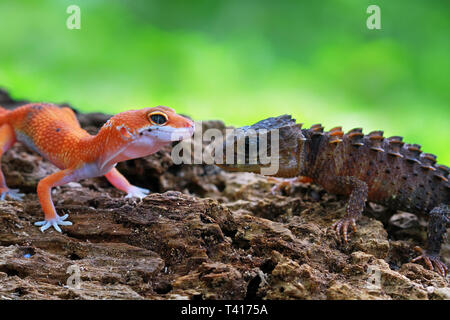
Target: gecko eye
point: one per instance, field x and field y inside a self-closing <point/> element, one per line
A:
<point x="158" y="118"/>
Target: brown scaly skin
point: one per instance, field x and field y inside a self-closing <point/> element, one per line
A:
<point x="363" y="167"/>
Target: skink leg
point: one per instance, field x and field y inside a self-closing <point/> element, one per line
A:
<point x="439" y="218"/>
<point x="355" y="205"/>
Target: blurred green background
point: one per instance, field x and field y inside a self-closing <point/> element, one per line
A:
<point x="240" y="61"/>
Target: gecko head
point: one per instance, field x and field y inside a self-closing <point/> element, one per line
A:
<point x="166" y="125"/>
<point x="159" y="124"/>
<point x="138" y="133"/>
<point x="270" y="147"/>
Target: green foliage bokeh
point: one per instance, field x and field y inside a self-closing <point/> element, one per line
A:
<point x="240" y="61"/>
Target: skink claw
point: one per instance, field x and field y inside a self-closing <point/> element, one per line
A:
<point x="341" y="228"/>
<point x="433" y="262"/>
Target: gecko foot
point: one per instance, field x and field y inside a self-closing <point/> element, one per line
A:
<point x="433" y="262"/>
<point x="55" y="223"/>
<point x="136" y="192"/>
<point x="13" y="194"/>
<point x="341" y="227"/>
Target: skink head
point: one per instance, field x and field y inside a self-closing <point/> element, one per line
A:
<point x="270" y="147"/>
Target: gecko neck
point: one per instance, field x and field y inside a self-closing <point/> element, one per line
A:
<point x="109" y="147"/>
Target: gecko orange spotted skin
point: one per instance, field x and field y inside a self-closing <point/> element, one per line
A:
<point x="55" y="134"/>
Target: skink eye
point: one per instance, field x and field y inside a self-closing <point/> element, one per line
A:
<point x="158" y="118"/>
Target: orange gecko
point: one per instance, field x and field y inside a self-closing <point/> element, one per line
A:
<point x="56" y="135"/>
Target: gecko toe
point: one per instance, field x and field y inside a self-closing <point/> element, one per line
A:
<point x="55" y="223"/>
<point x="12" y="194"/>
<point x="143" y="190"/>
<point x="45" y="226"/>
<point x="136" y="192"/>
<point x="57" y="228"/>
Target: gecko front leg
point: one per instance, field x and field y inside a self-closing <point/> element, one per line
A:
<point x="44" y="188"/>
<point x="121" y="183"/>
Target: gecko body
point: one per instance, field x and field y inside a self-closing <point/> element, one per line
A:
<point x="56" y="135"/>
